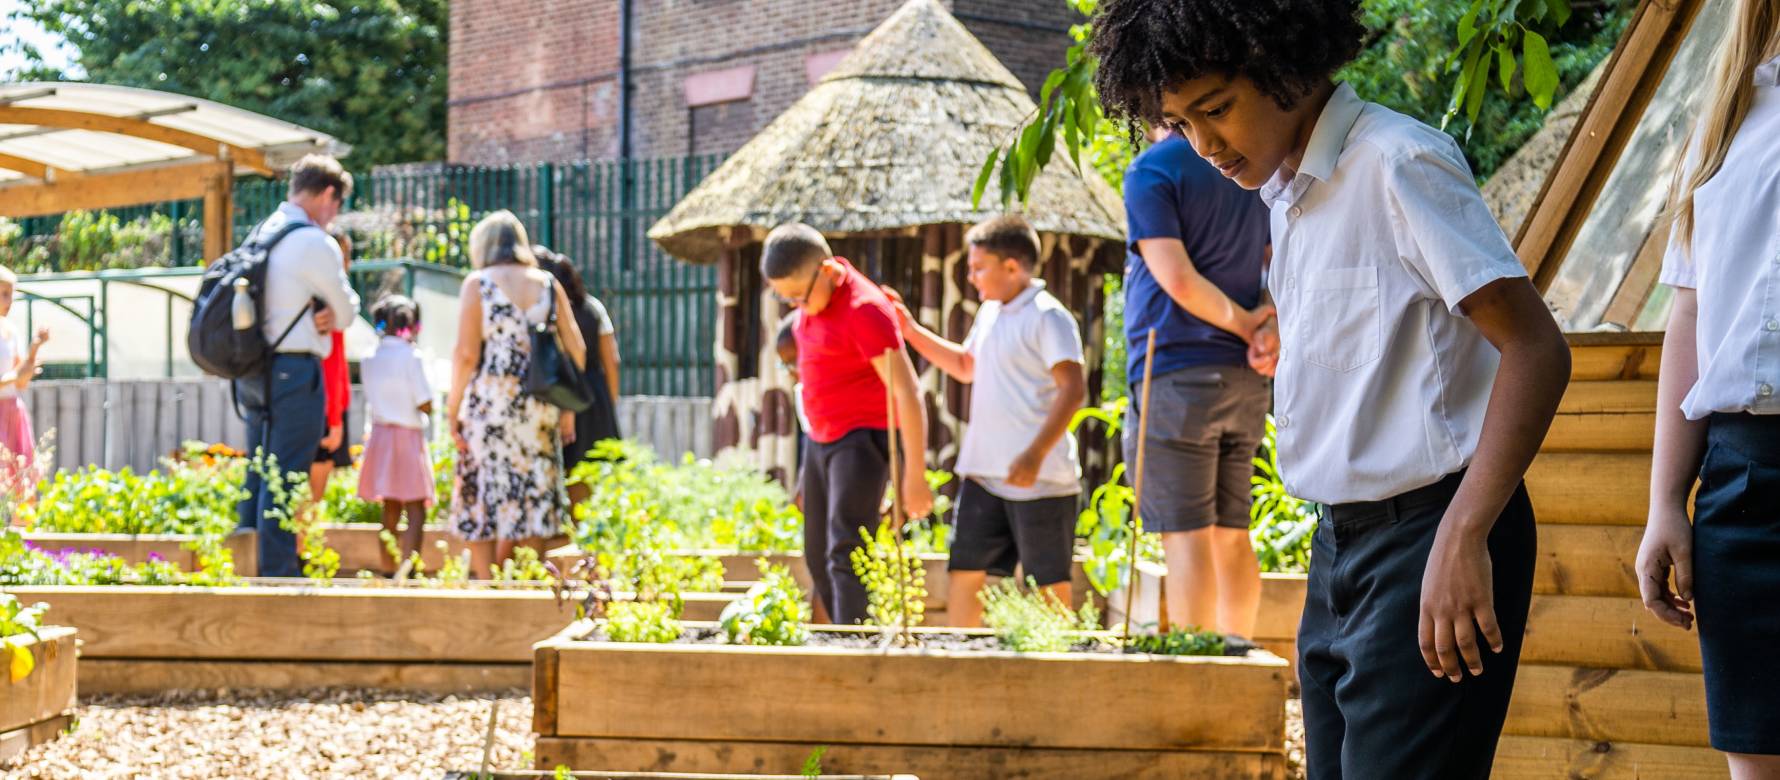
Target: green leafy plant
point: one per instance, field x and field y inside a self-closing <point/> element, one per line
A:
<point x="1280" y="526"/>
<point x="772" y="612"/>
<point x="16" y="620"/>
<point x="932" y="534"/>
<point x="1031" y="620"/>
<point x="812" y="763"/>
<point x="289" y="491"/>
<point x="642" y="621"/>
<point x="895" y="581"/>
<point x="524" y="566"/>
<point x="1178" y="642"/>
<point x="340" y="501"/>
<point x="22" y="563"/>
<point x="454" y="570"/>
<point x="180" y="498"/>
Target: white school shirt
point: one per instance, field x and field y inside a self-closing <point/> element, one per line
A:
<point x="1014" y="346"/>
<point x="1735" y="266"/>
<point x="1377" y="237"/>
<point x="395" y="384"/>
<point x="305" y="265"/>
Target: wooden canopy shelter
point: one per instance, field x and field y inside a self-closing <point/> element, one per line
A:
<point x="70" y="145"/>
<point x="880" y="156"/>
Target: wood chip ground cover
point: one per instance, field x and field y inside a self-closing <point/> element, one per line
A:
<point x="325" y="734"/>
<point x="321" y="734"/>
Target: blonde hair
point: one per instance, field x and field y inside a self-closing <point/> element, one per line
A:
<point x="500" y="238"/>
<point x="8" y="277"/>
<point x="1754" y="38"/>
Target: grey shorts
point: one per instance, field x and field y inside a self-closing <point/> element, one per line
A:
<point x="1206" y="422"/>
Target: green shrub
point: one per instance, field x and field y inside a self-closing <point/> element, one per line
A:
<point x="772" y="612"/>
<point x="340" y="502"/>
<point x="1280" y="526"/>
<point x="894" y="578"/>
<point x="642" y="621"/>
<point x="179" y="498"/>
<point x="694" y="504"/>
<point x="1032" y="620"/>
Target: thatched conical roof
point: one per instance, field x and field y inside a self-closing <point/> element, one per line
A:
<point x="892" y="138"/>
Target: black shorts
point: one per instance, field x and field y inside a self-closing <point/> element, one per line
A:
<point x="1736" y="541"/>
<point x="342" y="456"/>
<point x="994" y="534"/>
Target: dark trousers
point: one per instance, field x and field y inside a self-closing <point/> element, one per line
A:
<point x="1371" y="707"/>
<point x="843" y="487"/>
<point x="288" y="425"/>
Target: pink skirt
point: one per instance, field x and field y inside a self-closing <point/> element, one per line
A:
<point x="18" y="448"/>
<point x="395" y="466"/>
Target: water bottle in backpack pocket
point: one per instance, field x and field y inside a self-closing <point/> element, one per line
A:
<point x="225" y="337"/>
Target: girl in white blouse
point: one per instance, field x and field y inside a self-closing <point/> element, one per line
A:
<point x="1718" y="414"/>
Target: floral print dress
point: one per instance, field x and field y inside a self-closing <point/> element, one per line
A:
<point x="510" y="483"/>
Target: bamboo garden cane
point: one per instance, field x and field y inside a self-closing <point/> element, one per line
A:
<point x="896" y="521"/>
<point x="1143" y="425"/>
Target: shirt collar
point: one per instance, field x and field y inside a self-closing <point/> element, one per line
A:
<point x="1327" y="140"/>
<point x="1025" y="297"/>
<point x="294" y="213"/>
<point x="1767" y="74"/>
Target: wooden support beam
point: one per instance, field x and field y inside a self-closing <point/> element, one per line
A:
<point x="136" y="127"/>
<point x="1628" y="301"/>
<point x="1633" y="74"/>
<point x="219" y="214"/>
<point x="179" y="182"/>
<point x="24" y="165"/>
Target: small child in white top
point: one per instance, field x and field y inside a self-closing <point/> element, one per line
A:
<point x="396" y="469"/>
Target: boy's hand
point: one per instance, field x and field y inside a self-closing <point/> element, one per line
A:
<point x="332" y="440"/>
<point x="1668" y="543"/>
<point x="1024" y="471"/>
<point x="324" y="321"/>
<point x="917" y="498"/>
<point x="1263" y="348"/>
<point x="40" y="339"/>
<point x="903" y="315"/>
<point x="1458" y="601"/>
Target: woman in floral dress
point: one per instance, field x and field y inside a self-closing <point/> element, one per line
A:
<point x="509" y="491"/>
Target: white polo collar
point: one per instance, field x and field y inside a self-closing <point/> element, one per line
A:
<point x="1025" y="297"/>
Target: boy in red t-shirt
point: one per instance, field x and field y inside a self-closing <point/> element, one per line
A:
<point x="848" y="350"/>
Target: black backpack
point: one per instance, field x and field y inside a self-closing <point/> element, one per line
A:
<point x="214" y="343"/>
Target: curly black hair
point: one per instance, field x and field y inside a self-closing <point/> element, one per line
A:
<point x="1286" y="47"/>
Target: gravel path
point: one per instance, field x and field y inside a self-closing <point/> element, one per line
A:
<point x="323" y="734"/>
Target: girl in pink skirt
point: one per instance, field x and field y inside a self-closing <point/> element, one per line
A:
<point x="396" y="470"/>
<point x="18" y="448"/>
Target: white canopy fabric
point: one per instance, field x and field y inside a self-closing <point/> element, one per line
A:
<point x="63" y="147"/>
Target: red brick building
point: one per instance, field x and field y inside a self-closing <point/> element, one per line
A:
<point x="537" y="80"/>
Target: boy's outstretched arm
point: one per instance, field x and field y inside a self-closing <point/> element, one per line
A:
<point x="1072" y="390"/>
<point x="1457" y="601"/>
<point x="895" y="368"/>
<point x="949" y="356"/>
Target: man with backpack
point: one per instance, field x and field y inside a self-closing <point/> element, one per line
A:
<point x="304" y="295"/>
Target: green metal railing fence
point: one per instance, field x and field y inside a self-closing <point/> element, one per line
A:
<point x="594" y="211"/>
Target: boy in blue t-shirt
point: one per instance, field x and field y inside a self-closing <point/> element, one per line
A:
<point x="1418" y="371"/>
<point x="1197" y="244"/>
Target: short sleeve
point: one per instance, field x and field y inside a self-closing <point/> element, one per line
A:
<point x="874" y="328"/>
<point x="1453" y="241"/>
<point x="418" y="382"/>
<point x="1678" y="268"/>
<point x="1059" y="338"/>
<point x="1152" y="208"/>
<point x="600" y="315"/>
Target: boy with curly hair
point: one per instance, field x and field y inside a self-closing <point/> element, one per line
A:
<point x="1418" y="371"/>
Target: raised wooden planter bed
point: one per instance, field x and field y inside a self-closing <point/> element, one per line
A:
<point x="39" y="707"/>
<point x="141" y="639"/>
<point x="934" y="713"/>
<point x="537" y="775"/>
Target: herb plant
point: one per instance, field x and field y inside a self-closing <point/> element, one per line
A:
<point x="1032" y="620"/>
<point x="772" y="612"/>
<point x="895" y="581"/>
<point x="1177" y="641"/>
<point x="1280" y="526"/>
<point x="642" y="621"/>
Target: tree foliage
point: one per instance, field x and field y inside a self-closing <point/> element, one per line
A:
<point x="1467" y="67"/>
<point x="372" y="73"/>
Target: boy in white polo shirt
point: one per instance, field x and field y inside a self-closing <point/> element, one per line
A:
<point x="1417" y="373"/>
<point x="1023" y="361"/>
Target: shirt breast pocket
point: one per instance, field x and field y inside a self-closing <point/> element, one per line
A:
<point x="1340" y="324"/>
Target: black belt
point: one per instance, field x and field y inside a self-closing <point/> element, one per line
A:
<point x="1438" y="492"/>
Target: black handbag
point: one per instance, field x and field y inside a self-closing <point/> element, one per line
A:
<point x="552" y="376"/>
